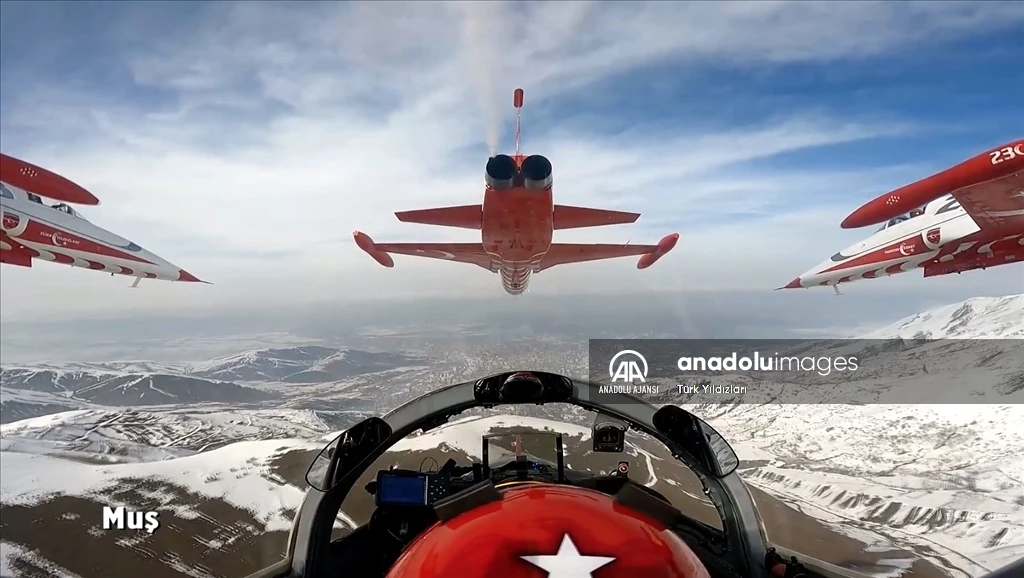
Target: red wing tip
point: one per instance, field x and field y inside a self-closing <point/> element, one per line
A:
<point x="852" y="222"/>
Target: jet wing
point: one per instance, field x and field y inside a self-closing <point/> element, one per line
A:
<point x="563" y="253"/>
<point x="997" y="204"/>
<point x="987" y="186"/>
<point x="472" y="253"/>
<point x="34" y="179"/>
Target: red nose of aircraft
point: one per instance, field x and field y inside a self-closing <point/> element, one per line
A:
<point x="794" y="284"/>
<point x="184" y="275"/>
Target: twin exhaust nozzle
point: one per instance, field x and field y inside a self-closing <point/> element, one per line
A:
<point x="504" y="173"/>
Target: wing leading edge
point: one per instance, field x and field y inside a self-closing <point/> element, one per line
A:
<point x="472" y="253"/>
<point x="565" y="253"/>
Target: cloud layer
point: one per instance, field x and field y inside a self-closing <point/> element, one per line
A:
<point x="246" y="141"/>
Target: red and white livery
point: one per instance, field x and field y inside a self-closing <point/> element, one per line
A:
<point x="33" y="229"/>
<point x="516" y="220"/>
<point x="970" y="216"/>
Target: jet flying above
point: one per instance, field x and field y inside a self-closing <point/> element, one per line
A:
<point x="33" y="229"/>
<point x="970" y="216"/>
<point x="516" y="220"/>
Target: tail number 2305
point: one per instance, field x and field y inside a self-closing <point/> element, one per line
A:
<point x="1005" y="154"/>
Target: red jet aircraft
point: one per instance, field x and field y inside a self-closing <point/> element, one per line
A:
<point x="970" y="216"/>
<point x="516" y="221"/>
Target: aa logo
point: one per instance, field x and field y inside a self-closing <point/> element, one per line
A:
<point x="627" y="369"/>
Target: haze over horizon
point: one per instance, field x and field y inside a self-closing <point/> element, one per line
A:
<point x="245" y="141"/>
<point x="571" y="318"/>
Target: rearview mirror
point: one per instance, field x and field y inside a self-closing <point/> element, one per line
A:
<point x="346" y="452"/>
<point x="697" y="439"/>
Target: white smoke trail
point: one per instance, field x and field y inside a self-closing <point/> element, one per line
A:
<point x="485" y="28"/>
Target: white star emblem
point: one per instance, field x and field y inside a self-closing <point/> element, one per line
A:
<point x="568" y="563"/>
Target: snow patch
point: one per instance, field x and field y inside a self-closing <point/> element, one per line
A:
<point x="236" y="474"/>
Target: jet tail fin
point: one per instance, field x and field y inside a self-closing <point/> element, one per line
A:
<point x="463" y="217"/>
<point x="567" y="217"/>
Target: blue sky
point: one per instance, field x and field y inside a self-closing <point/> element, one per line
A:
<point x="245" y="142"/>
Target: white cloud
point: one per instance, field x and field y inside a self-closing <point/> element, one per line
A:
<point x="291" y="127"/>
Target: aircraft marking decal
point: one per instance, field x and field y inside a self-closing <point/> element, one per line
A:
<point x="40" y="232"/>
<point x="568" y="562"/>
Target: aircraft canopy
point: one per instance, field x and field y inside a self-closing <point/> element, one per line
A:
<point x="901" y="218"/>
<point x="66" y="208"/>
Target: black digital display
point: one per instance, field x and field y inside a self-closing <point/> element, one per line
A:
<point x="395" y="490"/>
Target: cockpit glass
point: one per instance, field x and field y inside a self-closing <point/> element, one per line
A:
<point x="897" y="220"/>
<point x="894" y="221"/>
<point x="649" y="463"/>
<point x="65" y="208"/>
<point x="534" y="447"/>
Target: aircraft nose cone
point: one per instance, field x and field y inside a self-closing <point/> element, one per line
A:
<point x="794" y="284"/>
<point x="184" y="275"/>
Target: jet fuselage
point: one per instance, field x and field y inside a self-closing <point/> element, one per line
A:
<point x="34" y="230"/>
<point x="943" y="239"/>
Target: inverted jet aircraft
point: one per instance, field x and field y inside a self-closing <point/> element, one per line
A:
<point x="967" y="217"/>
<point x="33" y="229"/>
<point x="516" y="221"/>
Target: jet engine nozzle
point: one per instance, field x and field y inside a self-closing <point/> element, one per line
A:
<point x="501" y="172"/>
<point x="536" y="170"/>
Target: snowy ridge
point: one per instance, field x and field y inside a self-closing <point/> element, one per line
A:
<point x="254" y="377"/>
<point x="946" y="479"/>
<point x="976" y="540"/>
<point x="261" y="364"/>
<point x="139" y="436"/>
<point x="108" y="368"/>
<point x="977" y="318"/>
<point x="313" y="364"/>
<point x="121" y="388"/>
<point x="932" y="476"/>
<point x="238" y="474"/>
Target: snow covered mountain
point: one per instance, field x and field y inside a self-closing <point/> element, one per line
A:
<point x="942" y="479"/>
<point x="897" y="489"/>
<point x="314" y="364"/>
<point x="129" y="389"/>
<point x="977" y="318"/>
<point x="250" y="378"/>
